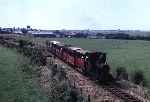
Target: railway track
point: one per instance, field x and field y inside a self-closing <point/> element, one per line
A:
<point x="84" y="83"/>
<point x="122" y="94"/>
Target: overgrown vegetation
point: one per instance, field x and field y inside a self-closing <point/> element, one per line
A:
<point x="137" y="77"/>
<point x="61" y="89"/>
<point x="27" y="49"/>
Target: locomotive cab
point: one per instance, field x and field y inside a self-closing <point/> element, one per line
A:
<point x="96" y="59"/>
<point x="97" y="67"/>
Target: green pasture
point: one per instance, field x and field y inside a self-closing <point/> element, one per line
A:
<point x="16" y="83"/>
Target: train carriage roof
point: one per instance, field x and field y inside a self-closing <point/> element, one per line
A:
<point x="78" y="50"/>
<point x="75" y="48"/>
<point x="55" y="42"/>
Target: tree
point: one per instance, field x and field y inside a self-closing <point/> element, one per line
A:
<point x="23" y="43"/>
<point x="24" y="31"/>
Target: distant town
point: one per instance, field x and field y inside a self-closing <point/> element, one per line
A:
<point x="93" y="34"/>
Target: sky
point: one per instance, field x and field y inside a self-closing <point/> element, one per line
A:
<point x="76" y="14"/>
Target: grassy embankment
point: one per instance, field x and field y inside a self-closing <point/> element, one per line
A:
<point x="16" y="79"/>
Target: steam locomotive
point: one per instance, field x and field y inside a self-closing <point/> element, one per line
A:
<point x="89" y="63"/>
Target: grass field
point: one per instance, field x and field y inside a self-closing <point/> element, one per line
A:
<point x="15" y="84"/>
<point x="132" y="54"/>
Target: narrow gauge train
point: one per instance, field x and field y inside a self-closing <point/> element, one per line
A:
<point x="89" y="63"/>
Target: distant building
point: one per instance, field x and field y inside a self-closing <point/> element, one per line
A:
<point x="6" y="30"/>
<point x="42" y="33"/>
<point x="17" y="32"/>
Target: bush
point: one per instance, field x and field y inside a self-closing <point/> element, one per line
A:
<point x="23" y="43"/>
<point x="34" y="54"/>
<point x="139" y="78"/>
<point x="121" y="73"/>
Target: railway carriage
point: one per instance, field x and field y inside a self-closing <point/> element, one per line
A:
<point x="87" y="62"/>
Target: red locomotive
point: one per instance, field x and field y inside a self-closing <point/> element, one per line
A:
<point x="87" y="62"/>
